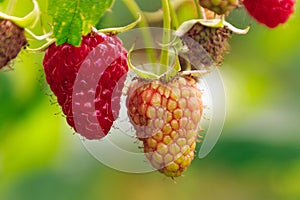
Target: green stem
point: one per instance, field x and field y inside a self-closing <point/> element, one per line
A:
<point x="116" y="30"/>
<point x="198" y="7"/>
<point x="41" y="48"/>
<point x="223" y="18"/>
<point x="134" y="9"/>
<point x="164" y="58"/>
<point x="174" y="18"/>
<point x="10" y="7"/>
<point x="27" y="21"/>
<point x="39" y="37"/>
<point x="157" y="16"/>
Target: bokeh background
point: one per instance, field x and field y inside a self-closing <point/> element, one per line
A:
<point x="257" y="156"/>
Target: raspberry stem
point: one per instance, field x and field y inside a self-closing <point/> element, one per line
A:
<point x="11" y="6"/>
<point x="116" y="30"/>
<point x="38" y="37"/>
<point x="164" y="58"/>
<point x="42" y="48"/>
<point x="174" y="18"/>
<point x="157" y="16"/>
<point x="134" y="9"/>
<point x="199" y="10"/>
<point x="27" y="21"/>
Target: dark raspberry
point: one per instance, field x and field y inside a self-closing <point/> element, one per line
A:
<point x="12" y="40"/>
<point x="212" y="40"/>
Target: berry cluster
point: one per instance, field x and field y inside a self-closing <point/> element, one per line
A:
<point x="165" y="111"/>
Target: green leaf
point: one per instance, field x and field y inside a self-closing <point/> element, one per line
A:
<point x="74" y="18"/>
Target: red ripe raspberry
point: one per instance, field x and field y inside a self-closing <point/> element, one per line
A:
<point x="270" y="12"/>
<point x="88" y="81"/>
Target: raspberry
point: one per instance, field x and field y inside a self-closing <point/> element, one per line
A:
<point x="213" y="40"/>
<point x="12" y="40"/>
<point x="98" y="55"/>
<point x="270" y="12"/>
<point x="219" y="6"/>
<point x="166" y="117"/>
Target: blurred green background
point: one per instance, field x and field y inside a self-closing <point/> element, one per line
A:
<point x="257" y="156"/>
